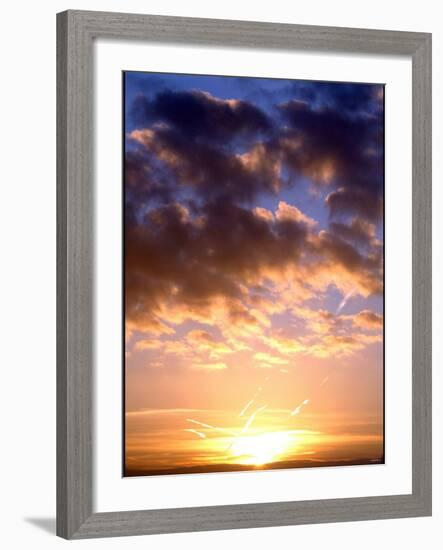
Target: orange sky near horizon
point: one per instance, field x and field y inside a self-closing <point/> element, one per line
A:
<point x="156" y="441"/>
<point x="315" y="413"/>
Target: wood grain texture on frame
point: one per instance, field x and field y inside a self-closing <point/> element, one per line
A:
<point x="76" y="31"/>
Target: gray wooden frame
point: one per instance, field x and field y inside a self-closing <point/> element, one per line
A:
<point x="76" y="31"/>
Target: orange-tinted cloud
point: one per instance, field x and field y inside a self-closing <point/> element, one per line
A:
<point x="368" y="319"/>
<point x="184" y="267"/>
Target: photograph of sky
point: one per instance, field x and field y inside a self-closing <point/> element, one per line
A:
<point x="253" y="273"/>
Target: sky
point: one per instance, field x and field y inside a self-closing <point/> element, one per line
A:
<point x="253" y="268"/>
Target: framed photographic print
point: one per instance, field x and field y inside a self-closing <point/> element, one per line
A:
<point x="244" y="274"/>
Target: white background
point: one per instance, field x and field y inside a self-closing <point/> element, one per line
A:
<point x="111" y="491"/>
<point x="28" y="273"/>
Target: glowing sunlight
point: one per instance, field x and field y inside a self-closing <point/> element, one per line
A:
<point x="257" y="450"/>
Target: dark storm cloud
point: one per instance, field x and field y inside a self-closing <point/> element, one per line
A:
<point x="211" y="170"/>
<point x="230" y="148"/>
<point x="195" y="167"/>
<point x="358" y="232"/>
<point x="173" y="256"/>
<point x="198" y="257"/>
<point x="349" y="98"/>
<point x="366" y="203"/>
<point x="333" y="147"/>
<point x="200" y="116"/>
<point x="146" y="181"/>
<point x="346" y="255"/>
